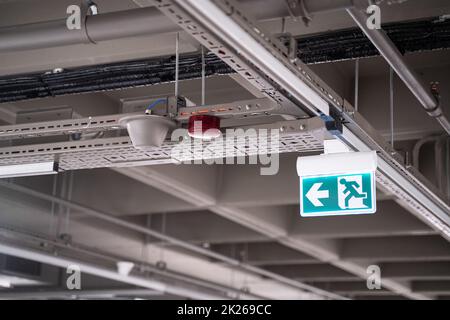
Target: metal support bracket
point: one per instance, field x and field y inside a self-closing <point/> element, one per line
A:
<point x="334" y="122"/>
<point x="297" y="9"/>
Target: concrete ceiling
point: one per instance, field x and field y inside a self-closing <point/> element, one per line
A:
<point x="228" y="209"/>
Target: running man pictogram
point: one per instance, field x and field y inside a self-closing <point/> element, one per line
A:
<point x="351" y="190"/>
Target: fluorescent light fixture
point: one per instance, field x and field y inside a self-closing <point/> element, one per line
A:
<point x="28" y="169"/>
<point x="337" y="163"/>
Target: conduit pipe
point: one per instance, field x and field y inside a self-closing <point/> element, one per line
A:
<point x="395" y="59"/>
<point x="143" y="21"/>
<point x="105" y="26"/>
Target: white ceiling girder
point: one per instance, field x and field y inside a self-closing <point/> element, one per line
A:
<point x="390" y="220"/>
<point x="134" y="247"/>
<point x="408" y="248"/>
<point x="264" y="253"/>
<point x="116" y="240"/>
<point x="432" y="287"/>
<point x="173" y="180"/>
<point x="190" y="226"/>
<point x="352" y="288"/>
<point x="431" y="270"/>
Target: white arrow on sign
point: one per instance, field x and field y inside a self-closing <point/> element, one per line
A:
<point x="314" y="194"/>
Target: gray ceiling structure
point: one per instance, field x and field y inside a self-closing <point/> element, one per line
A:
<point x="223" y="231"/>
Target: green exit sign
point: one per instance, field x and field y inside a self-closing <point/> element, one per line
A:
<point x="337" y="184"/>
<point x="337" y="194"/>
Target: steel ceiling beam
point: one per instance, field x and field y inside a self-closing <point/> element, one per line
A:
<point x="63" y="262"/>
<point x="178" y="182"/>
<point x="180" y="243"/>
<point x="90" y="293"/>
<point x="82" y="252"/>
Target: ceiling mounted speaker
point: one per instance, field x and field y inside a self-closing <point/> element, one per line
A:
<point x="147" y="131"/>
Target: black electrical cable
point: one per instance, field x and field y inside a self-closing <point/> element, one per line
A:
<point x="429" y="34"/>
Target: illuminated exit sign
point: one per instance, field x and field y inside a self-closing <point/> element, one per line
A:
<point x="337" y="184"/>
